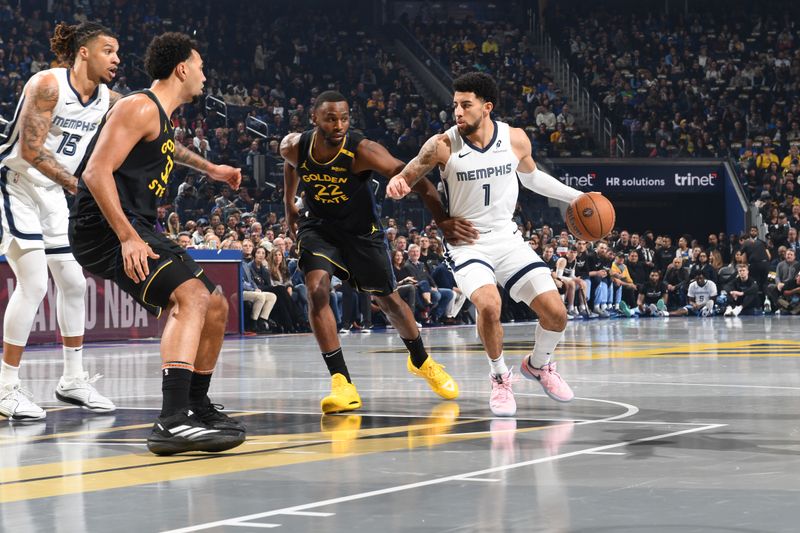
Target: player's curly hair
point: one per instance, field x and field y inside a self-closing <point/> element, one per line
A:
<point x="165" y="52"/>
<point x="479" y="83"/>
<point x="67" y="39"/>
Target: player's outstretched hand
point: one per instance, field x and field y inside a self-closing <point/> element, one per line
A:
<point x="458" y="230"/>
<point x="230" y="175"/>
<point x="135" y="253"/>
<point x="397" y="188"/>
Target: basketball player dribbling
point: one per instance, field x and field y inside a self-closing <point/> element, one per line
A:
<point x="480" y="160"/>
<point x="55" y="121"/>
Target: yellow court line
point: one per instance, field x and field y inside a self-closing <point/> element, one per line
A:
<point x="748" y="348"/>
<point x="195" y="467"/>
<point x="97" y="464"/>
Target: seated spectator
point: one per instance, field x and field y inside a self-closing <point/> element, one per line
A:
<point x="257" y="321"/>
<point x="434" y="300"/>
<point x="702" y="265"/>
<point x="623" y="287"/>
<point x="789" y="302"/>
<point x="285" y="312"/>
<point x="279" y="277"/>
<point x="406" y="285"/>
<point x="653" y="297"/>
<point x="742" y="296"/>
<point x="677" y="280"/>
<point x="701" y="296"/>
<point x="785" y="272"/>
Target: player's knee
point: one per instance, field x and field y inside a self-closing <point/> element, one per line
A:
<point x="74" y="290"/>
<point x="319" y="294"/>
<point x="192" y="295"/>
<point x="32" y="288"/>
<point x="556" y="320"/>
<point x="489" y="311"/>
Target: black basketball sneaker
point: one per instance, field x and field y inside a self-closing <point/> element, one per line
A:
<point x="185" y="432"/>
<point x="212" y="415"/>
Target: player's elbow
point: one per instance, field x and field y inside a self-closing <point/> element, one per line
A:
<point x="90" y="177"/>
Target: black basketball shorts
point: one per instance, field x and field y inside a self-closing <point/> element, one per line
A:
<point x="98" y="250"/>
<point x="361" y="260"/>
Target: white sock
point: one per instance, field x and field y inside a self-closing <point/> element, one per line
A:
<point x="73" y="361"/>
<point x="545" y="344"/>
<point x="9" y="375"/>
<point x="498" y="365"/>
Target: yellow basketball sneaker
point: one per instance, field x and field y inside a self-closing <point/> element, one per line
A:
<point x="440" y="381"/>
<point x="343" y="396"/>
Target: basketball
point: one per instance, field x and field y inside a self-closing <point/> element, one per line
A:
<point x="590" y="216"/>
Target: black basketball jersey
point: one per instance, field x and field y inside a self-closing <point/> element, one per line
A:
<point x="141" y="179"/>
<point x="333" y="193"/>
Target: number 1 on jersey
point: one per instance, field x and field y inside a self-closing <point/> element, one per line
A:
<point x="486" y="194"/>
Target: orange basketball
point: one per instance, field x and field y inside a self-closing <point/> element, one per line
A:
<point x="590" y="216"/>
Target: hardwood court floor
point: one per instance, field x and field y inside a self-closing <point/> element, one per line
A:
<point x="679" y="425"/>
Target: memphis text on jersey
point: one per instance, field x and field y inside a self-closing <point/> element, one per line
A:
<point x="74" y="124"/>
<point x="159" y="185"/>
<point x="484" y="173"/>
<point x="326" y="188"/>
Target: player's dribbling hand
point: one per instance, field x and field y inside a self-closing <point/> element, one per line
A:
<point x="230" y="175"/>
<point x="458" y="230"/>
<point x="397" y="188"/>
<point x="135" y="253"/>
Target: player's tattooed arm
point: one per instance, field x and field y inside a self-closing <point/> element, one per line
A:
<point x="426" y="160"/>
<point x="435" y="151"/>
<point x="225" y="173"/>
<point x="186" y="157"/>
<point x="35" y="121"/>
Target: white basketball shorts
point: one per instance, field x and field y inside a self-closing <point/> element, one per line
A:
<point x="36" y="217"/>
<point x="500" y="256"/>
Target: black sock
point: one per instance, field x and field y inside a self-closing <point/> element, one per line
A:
<point x="198" y="392"/>
<point x="417" y="350"/>
<point x="176" y="380"/>
<point x="336" y="364"/>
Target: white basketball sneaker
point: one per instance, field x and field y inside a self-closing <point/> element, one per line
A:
<point x="16" y="404"/>
<point x="80" y="391"/>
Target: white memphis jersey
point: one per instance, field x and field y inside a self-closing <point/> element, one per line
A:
<point x="72" y="127"/>
<point x="481" y="185"/>
<point x="702" y="294"/>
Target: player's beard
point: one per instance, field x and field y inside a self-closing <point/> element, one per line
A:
<point x="469" y="129"/>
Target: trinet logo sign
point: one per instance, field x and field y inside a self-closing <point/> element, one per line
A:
<point x="587" y="180"/>
<point x="690" y="180"/>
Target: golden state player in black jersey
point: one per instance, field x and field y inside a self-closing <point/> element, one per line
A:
<point x="339" y="233"/>
<point x="112" y="235"/>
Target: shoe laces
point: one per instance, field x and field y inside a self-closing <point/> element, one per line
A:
<point x="84" y="378"/>
<point x="435" y="371"/>
<point x="16" y="389"/>
<point x="502" y="386"/>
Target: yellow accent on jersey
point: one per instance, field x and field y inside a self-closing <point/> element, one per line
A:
<point x="341" y="150"/>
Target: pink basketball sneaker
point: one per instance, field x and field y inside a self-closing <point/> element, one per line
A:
<point x="502" y="401"/>
<point x="550" y="380"/>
